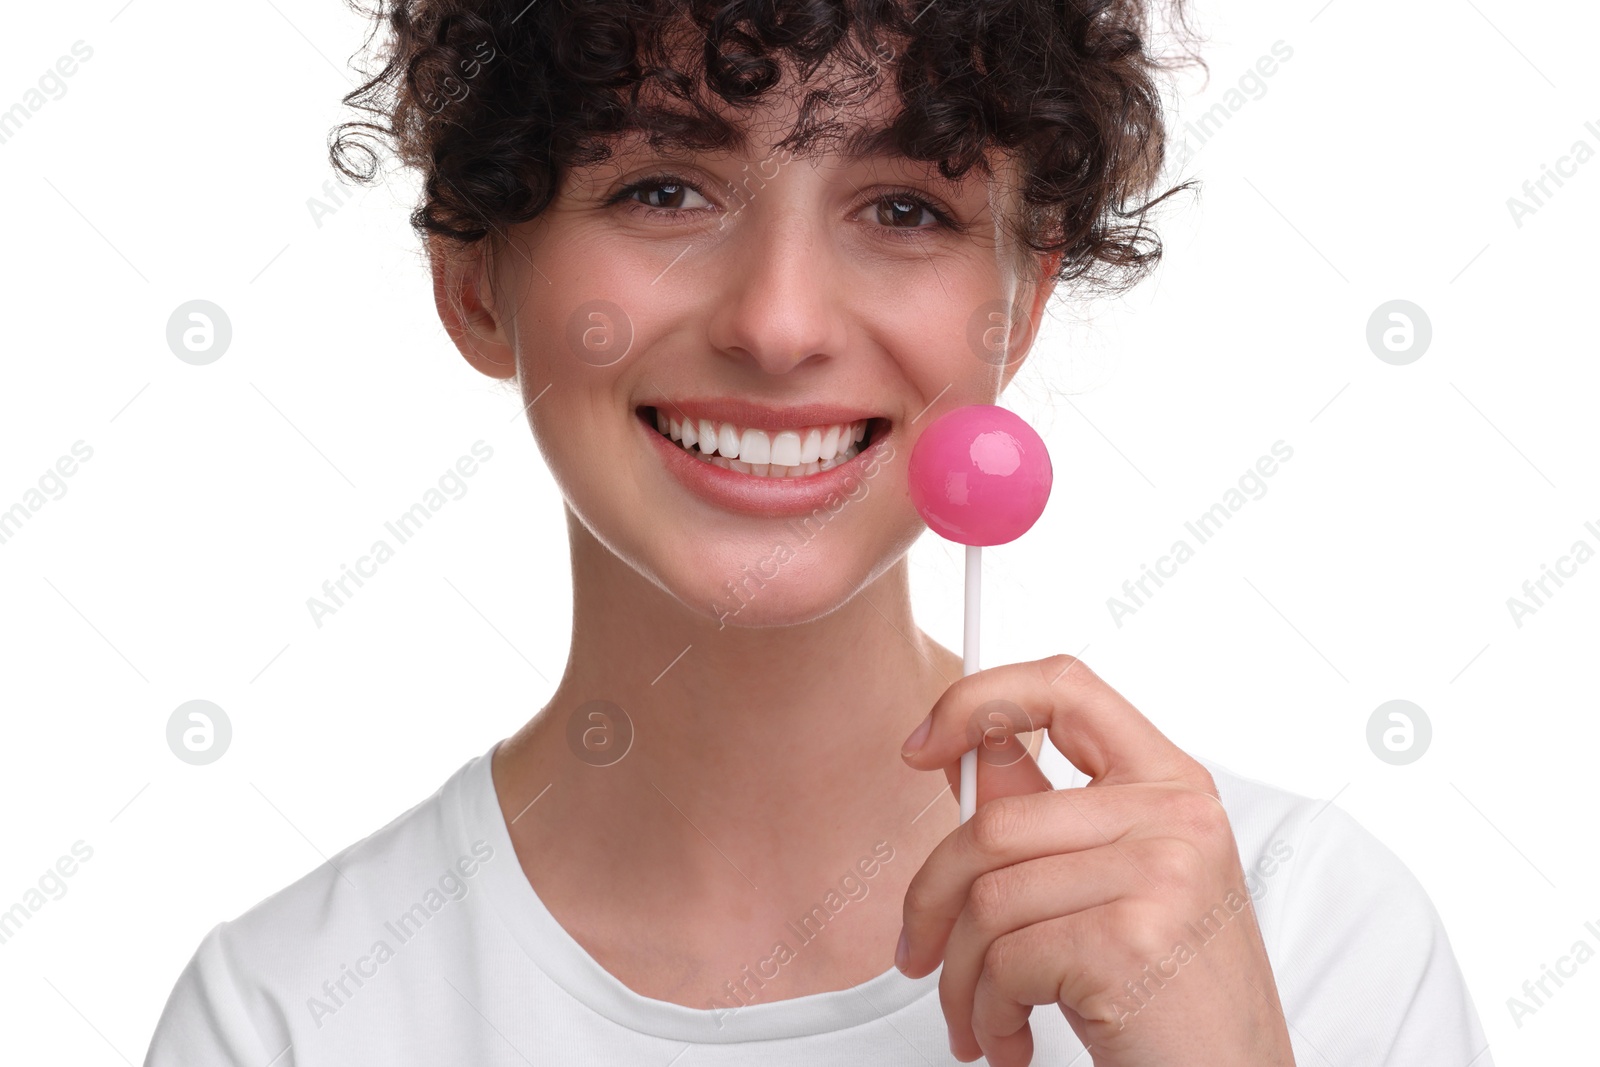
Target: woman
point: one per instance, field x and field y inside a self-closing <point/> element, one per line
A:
<point x="736" y="256"/>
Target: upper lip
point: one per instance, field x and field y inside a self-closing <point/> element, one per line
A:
<point x="762" y="416"/>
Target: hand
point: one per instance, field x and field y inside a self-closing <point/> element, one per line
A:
<point x="1123" y="902"/>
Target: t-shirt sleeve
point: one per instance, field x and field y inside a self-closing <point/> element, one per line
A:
<point x="205" y="1022"/>
<point x="1363" y="965"/>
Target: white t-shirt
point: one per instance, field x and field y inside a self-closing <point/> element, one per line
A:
<point x="425" y="944"/>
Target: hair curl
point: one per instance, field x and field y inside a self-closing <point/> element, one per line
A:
<point x="492" y="100"/>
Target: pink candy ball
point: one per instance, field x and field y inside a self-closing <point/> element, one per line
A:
<point x="979" y="475"/>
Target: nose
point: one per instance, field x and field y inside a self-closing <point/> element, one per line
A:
<point x="780" y="291"/>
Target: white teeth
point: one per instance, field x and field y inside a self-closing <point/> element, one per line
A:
<point x="830" y="442"/>
<point x="728" y="441"/>
<point x="811" y="446"/>
<point x="786" y="448"/>
<point x="792" y="453"/>
<point x="755" y="447"/>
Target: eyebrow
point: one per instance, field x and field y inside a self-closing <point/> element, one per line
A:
<point x="861" y="144"/>
<point x="869" y="143"/>
<point x="877" y="142"/>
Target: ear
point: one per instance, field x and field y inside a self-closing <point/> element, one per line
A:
<point x="1043" y="289"/>
<point x="462" y="294"/>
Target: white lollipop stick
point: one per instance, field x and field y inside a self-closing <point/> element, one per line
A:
<point x="969" y="665"/>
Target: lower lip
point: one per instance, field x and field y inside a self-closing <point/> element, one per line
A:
<point x="752" y="494"/>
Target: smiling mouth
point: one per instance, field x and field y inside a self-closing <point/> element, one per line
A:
<point x="766" y="453"/>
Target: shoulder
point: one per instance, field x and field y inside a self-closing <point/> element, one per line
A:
<point x="1363" y="963"/>
<point x="229" y="1004"/>
<point x="1317" y="865"/>
<point x="385" y="870"/>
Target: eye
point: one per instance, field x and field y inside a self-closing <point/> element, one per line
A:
<point x="895" y="210"/>
<point x="900" y="210"/>
<point x="669" y="193"/>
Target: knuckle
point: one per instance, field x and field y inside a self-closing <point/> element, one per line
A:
<point x="918" y="900"/>
<point x="1099" y="1006"/>
<point x="997" y="825"/>
<point x="1172" y="863"/>
<point x="989" y="899"/>
<point x="1200" y="779"/>
<point x="1199" y="814"/>
<point x="998" y="957"/>
<point x="1065" y="669"/>
<point x="1140" y="926"/>
<point x="1059" y="662"/>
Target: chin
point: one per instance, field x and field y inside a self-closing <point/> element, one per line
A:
<point x="786" y="583"/>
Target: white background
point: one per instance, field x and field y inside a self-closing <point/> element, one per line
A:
<point x="1376" y="165"/>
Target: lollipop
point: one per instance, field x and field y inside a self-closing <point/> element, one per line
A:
<point x="979" y="476"/>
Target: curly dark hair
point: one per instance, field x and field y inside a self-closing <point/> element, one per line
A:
<point x="492" y="100"/>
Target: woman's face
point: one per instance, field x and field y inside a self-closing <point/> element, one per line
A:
<point x="779" y="308"/>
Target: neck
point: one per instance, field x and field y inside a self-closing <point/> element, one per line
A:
<point x="763" y="762"/>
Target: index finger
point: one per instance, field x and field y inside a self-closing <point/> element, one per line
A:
<point x="1089" y="722"/>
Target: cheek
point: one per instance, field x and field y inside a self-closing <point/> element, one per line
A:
<point x="581" y="340"/>
<point x="582" y="330"/>
<point x="947" y="333"/>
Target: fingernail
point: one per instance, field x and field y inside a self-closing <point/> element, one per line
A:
<point x="902" y="952"/>
<point x="918" y="736"/>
